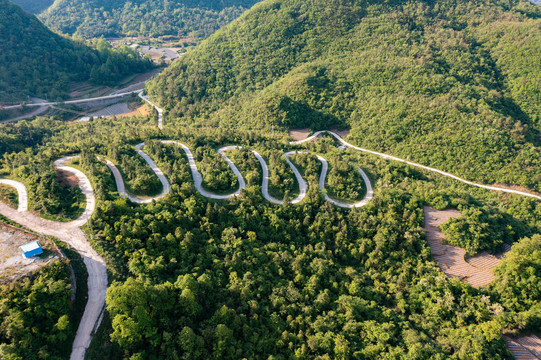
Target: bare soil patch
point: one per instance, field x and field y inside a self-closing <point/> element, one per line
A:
<point x="13" y="265"/>
<point x="486" y="260"/>
<point x="299" y="134"/>
<point x="342" y="133"/>
<point x="66" y="178"/>
<point x="450" y="258"/>
<point x="136" y="110"/>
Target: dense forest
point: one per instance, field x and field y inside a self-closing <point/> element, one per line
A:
<point x="182" y="18"/>
<point x="34" y="61"/>
<point x="36" y="320"/>
<point x="451" y="84"/>
<point x="444" y="83"/>
<point x="195" y="278"/>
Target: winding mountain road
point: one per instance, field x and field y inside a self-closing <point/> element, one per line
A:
<point x="97" y="276"/>
<point x="389" y="157"/>
<point x="303" y="187"/>
<point x="121" y="188"/>
<point x="70" y="233"/>
<point x="21" y="193"/>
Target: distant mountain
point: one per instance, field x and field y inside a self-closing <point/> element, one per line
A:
<point x="455" y="84"/>
<point x="34" y="61"/>
<point x="94" y="18"/>
<point x="34" y="6"/>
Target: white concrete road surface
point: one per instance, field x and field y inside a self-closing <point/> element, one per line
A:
<point x="97" y="283"/>
<point x="303" y="187"/>
<point x="198" y="178"/>
<point x="40" y="110"/>
<point x="80" y="101"/>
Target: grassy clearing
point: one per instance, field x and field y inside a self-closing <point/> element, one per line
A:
<point x="9" y="196"/>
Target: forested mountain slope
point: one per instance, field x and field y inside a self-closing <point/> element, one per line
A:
<point x="452" y="84"/>
<point x="37" y="62"/>
<point x="94" y="18"/>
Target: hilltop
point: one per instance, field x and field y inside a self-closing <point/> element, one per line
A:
<point x="184" y="18"/>
<point x="35" y="61"/>
<point x="451" y="84"/>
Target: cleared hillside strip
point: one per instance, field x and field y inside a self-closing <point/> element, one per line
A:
<point x="524" y="347"/>
<point x="450" y="258"/>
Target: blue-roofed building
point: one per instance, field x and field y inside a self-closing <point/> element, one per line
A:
<point x="31" y="249"/>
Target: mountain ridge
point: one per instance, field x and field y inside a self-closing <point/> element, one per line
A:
<point x="447" y="84"/>
<point x="182" y="18"/>
<point x="38" y="62"/>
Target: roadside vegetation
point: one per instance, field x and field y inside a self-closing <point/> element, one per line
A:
<point x="9" y="196"/>
<point x="36" y="316"/>
<point x="138" y="176"/>
<point x="435" y="82"/>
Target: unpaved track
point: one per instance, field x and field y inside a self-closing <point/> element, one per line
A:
<point x="72" y="234"/>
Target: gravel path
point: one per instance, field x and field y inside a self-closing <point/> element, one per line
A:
<point x="70" y="233"/>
